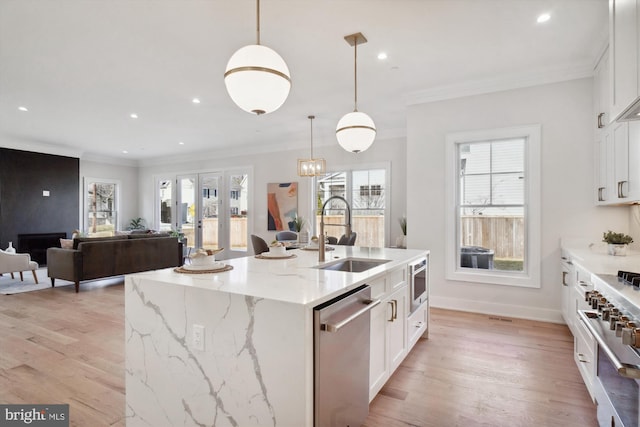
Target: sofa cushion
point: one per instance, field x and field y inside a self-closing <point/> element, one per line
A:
<point x="66" y="243"/>
<point x="147" y="235"/>
<point x="79" y="240"/>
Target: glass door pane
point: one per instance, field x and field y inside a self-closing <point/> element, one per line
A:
<point x="238" y="206"/>
<point x="166" y="203"/>
<point x="208" y="222"/>
<point x="187" y="208"/>
<point x="101" y="218"/>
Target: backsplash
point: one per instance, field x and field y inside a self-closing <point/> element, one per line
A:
<point x="634" y="225"/>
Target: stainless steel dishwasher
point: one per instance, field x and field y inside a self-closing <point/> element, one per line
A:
<point x="341" y="359"/>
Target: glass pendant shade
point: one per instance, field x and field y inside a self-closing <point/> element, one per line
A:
<point x="257" y="79"/>
<point x="355" y="132"/>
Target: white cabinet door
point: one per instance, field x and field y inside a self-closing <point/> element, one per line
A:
<point x="623" y="51"/>
<point x="601" y="88"/>
<point x="397" y="327"/>
<point x="378" y="361"/>
<point x="633" y="163"/>
<point x="604" y="167"/>
<point x="620" y="134"/>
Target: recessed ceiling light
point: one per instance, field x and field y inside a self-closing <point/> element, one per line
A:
<point x="133" y="115"/>
<point x="196" y="100"/>
<point x="23" y="109"/>
<point x="543" y="18"/>
<point x="382" y="55"/>
<point x="125" y="152"/>
<point x="180" y="143"/>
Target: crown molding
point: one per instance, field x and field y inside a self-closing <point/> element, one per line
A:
<point x="500" y="83"/>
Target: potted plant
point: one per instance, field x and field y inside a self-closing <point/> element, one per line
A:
<point x="616" y="242"/>
<point x="299" y="225"/>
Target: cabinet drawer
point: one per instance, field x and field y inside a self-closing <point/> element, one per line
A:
<point x="417" y="324"/>
<point x="378" y="288"/>
<point x="396" y="278"/>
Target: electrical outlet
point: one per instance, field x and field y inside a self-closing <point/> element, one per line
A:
<point x="198" y="337"/>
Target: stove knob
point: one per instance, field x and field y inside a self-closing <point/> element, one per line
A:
<point x="622" y="321"/>
<point x="636" y="338"/>
<point x="606" y="313"/>
<point x="628" y="333"/>
<point x="602" y="303"/>
<point x="613" y="320"/>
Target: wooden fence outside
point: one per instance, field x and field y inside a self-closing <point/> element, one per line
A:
<point x="503" y="234"/>
<point x="370" y="229"/>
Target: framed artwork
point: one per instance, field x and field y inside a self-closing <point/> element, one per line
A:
<point x="282" y="205"/>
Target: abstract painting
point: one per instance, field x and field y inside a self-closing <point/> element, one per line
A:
<point x="282" y="205"/>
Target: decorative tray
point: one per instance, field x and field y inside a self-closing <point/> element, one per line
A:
<point x="265" y="255"/>
<point x="203" y="269"/>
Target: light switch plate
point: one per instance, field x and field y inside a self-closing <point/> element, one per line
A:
<point x="45" y="193"/>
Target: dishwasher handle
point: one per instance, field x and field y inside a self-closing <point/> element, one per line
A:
<point x="335" y="327"/>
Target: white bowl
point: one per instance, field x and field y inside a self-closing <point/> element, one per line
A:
<point x="277" y="250"/>
<point x="203" y="260"/>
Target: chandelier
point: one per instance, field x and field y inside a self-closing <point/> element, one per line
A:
<point x="311" y="166"/>
<point x="355" y="131"/>
<point x="257" y="78"/>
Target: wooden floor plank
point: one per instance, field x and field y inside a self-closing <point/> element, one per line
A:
<point x="57" y="346"/>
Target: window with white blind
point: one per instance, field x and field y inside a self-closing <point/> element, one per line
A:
<point x="494" y="206"/>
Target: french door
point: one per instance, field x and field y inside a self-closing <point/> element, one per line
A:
<point x="211" y="211"/>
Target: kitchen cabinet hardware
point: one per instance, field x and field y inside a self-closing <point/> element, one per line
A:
<point x="564" y="278"/>
<point x="600" y="124"/>
<point x="600" y="197"/>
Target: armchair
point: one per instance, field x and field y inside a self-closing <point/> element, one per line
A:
<point x="10" y="263"/>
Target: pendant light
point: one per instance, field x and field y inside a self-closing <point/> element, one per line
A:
<point x="356" y="130"/>
<point x="311" y="166"/>
<point x="257" y="78"/>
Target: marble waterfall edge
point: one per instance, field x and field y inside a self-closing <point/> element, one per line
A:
<point x="253" y="370"/>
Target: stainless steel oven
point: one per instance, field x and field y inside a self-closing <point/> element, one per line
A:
<point x="614" y="324"/>
<point x="418" y="285"/>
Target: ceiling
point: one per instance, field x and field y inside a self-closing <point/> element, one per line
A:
<point x="81" y="67"/>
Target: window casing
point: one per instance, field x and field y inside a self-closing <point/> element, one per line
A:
<point x="493" y="207"/>
<point x="366" y="190"/>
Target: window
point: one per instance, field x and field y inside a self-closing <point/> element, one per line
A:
<point x="100" y="207"/>
<point x="365" y="192"/>
<point x="494" y="207"/>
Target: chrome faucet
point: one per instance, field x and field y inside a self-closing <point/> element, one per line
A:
<point x="347" y="225"/>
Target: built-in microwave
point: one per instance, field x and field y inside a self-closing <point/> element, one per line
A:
<point x="418" y="283"/>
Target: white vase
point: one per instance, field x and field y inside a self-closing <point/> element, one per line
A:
<point x="401" y="242"/>
<point x="10" y="249"/>
<point x="617" y="250"/>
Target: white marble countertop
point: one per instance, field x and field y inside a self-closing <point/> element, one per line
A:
<point x="594" y="258"/>
<point x="290" y="280"/>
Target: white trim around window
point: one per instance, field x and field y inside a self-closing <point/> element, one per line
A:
<point x="530" y="277"/>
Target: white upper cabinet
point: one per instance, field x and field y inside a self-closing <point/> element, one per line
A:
<point x="601" y="91"/>
<point x="623" y="54"/>
<point x="604" y="166"/>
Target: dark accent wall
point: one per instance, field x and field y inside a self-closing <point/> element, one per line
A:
<point x="23" y="208"/>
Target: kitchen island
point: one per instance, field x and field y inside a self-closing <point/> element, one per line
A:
<point x="235" y="348"/>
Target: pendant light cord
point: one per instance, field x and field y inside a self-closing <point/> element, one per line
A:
<point x="355" y="73"/>
<point x="258" y="22"/>
<point x="311" y="119"/>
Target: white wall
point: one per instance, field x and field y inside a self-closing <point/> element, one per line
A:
<point x="128" y="178"/>
<point x="281" y="166"/>
<point x="565" y="112"/>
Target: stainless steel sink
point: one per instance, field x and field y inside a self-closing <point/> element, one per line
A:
<point x="353" y="265"/>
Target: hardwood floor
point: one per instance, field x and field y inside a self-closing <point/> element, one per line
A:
<point x="57" y="346"/>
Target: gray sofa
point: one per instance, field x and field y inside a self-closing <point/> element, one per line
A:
<point x="96" y="258"/>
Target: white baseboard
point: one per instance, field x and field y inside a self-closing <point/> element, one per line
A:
<point x="507" y="310"/>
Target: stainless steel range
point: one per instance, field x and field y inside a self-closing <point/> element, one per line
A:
<point x="614" y="322"/>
